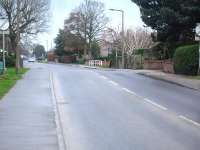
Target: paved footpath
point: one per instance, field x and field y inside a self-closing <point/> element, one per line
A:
<point x="27" y="119"/>
<point x="159" y="75"/>
<point x="172" y="78"/>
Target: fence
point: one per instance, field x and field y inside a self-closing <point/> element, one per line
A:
<point x="96" y="63"/>
<point x="99" y="63"/>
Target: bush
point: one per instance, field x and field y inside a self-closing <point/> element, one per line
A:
<point x="10" y="61"/>
<point x="139" y="52"/>
<point x="186" y="60"/>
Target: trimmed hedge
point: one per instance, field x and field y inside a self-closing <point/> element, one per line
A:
<point x="186" y="60"/>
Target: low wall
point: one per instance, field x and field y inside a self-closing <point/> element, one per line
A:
<point x="153" y="64"/>
<point x="52" y="57"/>
<point x="165" y="65"/>
<point x="67" y="59"/>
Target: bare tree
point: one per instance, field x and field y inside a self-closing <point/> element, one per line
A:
<point x="25" y="17"/>
<point x="139" y="38"/>
<point x="93" y="20"/>
<point x="134" y="39"/>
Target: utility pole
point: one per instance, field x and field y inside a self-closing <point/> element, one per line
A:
<point x="47" y="45"/>
<point x="18" y="40"/>
<point x="197" y="38"/>
<point x="123" y="44"/>
<point x="4" y="59"/>
<point x="199" y="58"/>
<point x="116" y="58"/>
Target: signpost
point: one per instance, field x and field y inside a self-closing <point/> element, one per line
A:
<point x="3" y="32"/>
<point x="197" y="38"/>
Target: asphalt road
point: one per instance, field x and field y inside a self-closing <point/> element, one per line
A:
<point x="116" y="110"/>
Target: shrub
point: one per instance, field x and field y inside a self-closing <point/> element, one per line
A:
<point x="139" y="52"/>
<point x="10" y="61"/>
<point x="186" y="60"/>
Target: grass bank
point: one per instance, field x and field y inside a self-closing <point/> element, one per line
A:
<point x="194" y="77"/>
<point x="8" y="80"/>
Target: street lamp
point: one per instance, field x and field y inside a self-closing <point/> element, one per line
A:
<point x="123" y="45"/>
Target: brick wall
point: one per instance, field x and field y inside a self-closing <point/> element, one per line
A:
<point x="165" y="65"/>
<point x="153" y="64"/>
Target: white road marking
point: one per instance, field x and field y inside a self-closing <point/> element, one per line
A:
<point x="129" y="91"/>
<point x="103" y="77"/>
<point x="155" y="104"/>
<point x="114" y="83"/>
<point x="189" y="120"/>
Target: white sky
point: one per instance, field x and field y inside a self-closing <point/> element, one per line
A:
<point x="60" y="10"/>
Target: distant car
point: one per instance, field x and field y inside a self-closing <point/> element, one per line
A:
<point x="31" y="59"/>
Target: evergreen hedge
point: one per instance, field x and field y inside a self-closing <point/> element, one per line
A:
<point x="186" y="60"/>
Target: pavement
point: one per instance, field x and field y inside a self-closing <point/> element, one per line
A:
<point x="27" y="118"/>
<point x="98" y="110"/>
<point x="172" y="78"/>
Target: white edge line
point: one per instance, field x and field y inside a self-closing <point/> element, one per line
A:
<point x="129" y="91"/>
<point x="155" y="104"/>
<point x="189" y="120"/>
<point x="114" y="83"/>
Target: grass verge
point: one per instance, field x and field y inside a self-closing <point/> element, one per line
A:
<point x="8" y="80"/>
<point x="194" y="77"/>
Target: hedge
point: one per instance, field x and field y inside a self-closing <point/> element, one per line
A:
<point x="186" y="60"/>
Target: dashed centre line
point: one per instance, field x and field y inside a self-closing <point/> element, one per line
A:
<point x="129" y="91"/>
<point x="155" y="104"/>
<point x="189" y="120"/>
<point x="151" y="102"/>
<point x="113" y="83"/>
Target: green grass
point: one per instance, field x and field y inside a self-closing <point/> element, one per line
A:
<point x="8" y="80"/>
<point x="195" y="77"/>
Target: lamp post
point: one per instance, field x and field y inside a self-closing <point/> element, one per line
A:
<point x="123" y="45"/>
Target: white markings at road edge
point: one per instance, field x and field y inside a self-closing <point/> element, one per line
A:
<point x="189" y="121"/>
<point x="155" y="104"/>
<point x="114" y="83"/>
<point x="129" y="91"/>
<point x="103" y="77"/>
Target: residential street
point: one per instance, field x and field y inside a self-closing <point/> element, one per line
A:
<point x="104" y="110"/>
<point x="115" y="110"/>
<point x="99" y="75"/>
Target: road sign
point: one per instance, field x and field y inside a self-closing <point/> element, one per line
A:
<point x="1" y="67"/>
<point x="197" y="33"/>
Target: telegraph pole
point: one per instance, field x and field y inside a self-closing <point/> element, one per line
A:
<point x="197" y="38"/>
<point x="4" y="59"/>
<point x="18" y="40"/>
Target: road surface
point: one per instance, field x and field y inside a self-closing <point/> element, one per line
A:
<point x="120" y="110"/>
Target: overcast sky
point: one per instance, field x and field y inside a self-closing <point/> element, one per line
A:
<point x="60" y="10"/>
